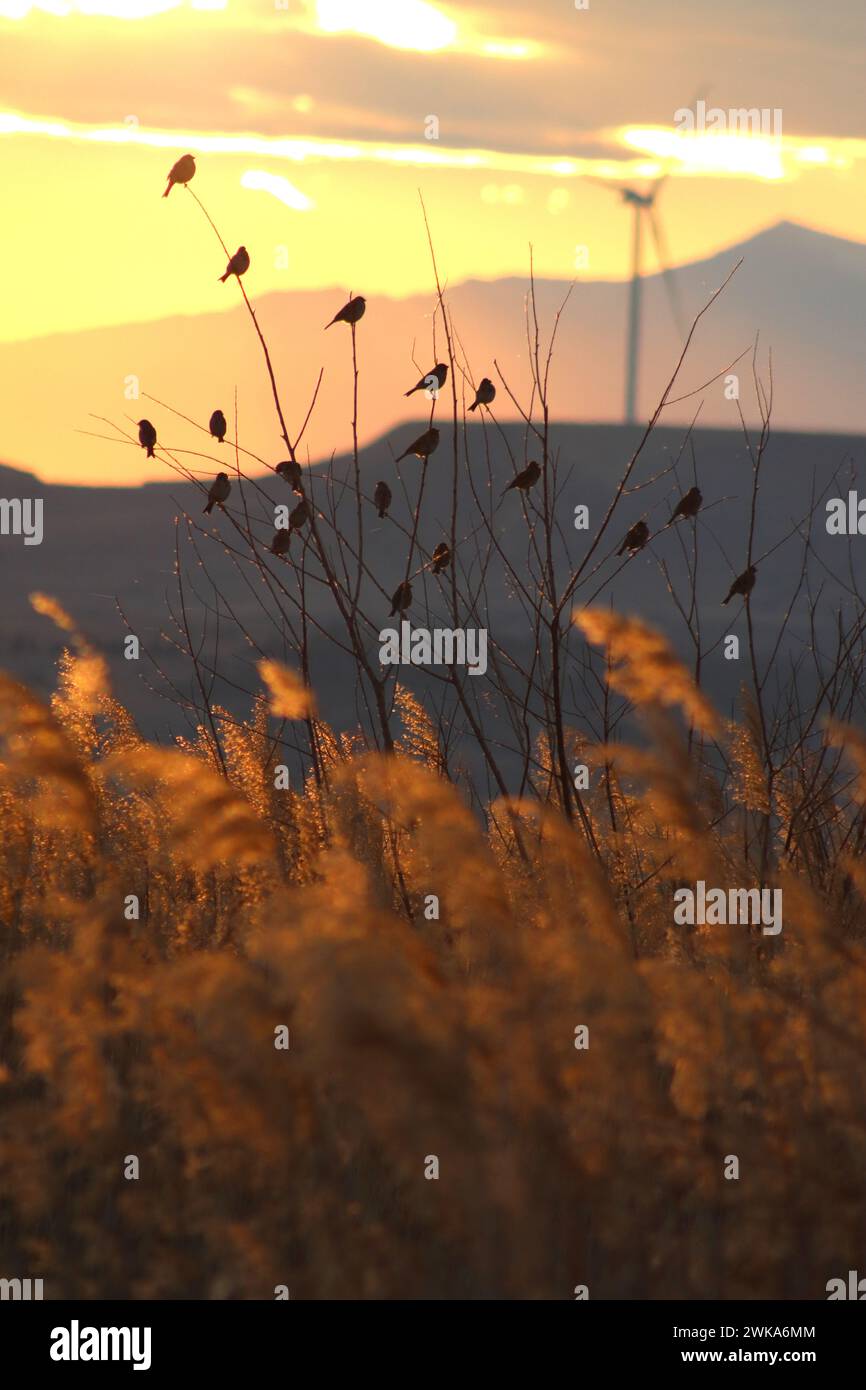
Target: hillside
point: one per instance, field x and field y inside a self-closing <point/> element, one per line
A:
<point x="799" y="290"/>
<point x="106" y="547"/>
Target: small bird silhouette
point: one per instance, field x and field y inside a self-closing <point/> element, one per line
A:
<point x="299" y="515"/>
<point x="291" y="471"/>
<point x="218" y="426"/>
<point x="743" y="584"/>
<point x="351" y="312"/>
<point x="689" y="505"/>
<point x="485" y="395"/>
<point x="281" y="542"/>
<point x="402" y="598"/>
<point x="422" y="447"/>
<point x="181" y="172"/>
<point x="635" y="539"/>
<point x="433" y="381"/>
<point x="219" y="491"/>
<point x="525" y="479"/>
<point x="440" y="558"/>
<point x="382" y="498"/>
<point x="146" y="436"/>
<point x="238" y="265"/>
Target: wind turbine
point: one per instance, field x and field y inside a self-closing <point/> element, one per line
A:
<point x="644" y="207"/>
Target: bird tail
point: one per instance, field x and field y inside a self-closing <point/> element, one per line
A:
<point x="168" y="190"/>
<point x="208" y="509"/>
<point x="223" y="278"/>
<point x="150" y="453"/>
<point x="726" y="600"/>
<point x="330" y="325"/>
<point x="474" y="406"/>
<point x="381" y="513"/>
<point x="412" y="392"/>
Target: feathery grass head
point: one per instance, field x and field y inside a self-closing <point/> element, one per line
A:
<point x="290" y="698"/>
<point x="643" y="666"/>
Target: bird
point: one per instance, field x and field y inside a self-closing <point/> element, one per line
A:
<point x="422" y="447"/>
<point x="485" y="394"/>
<point x="689" y="504"/>
<point x="291" y="471"/>
<point x="218" y="426"/>
<point x="219" y="491"/>
<point x="440" y="558"/>
<point x="350" y="312"/>
<point x="281" y="542"/>
<point x="147" y="436"/>
<point x="181" y="172"/>
<point x="743" y="584"/>
<point x="635" y="539"/>
<point x="439" y="374"/>
<point x="525" y="479"/>
<point x="382" y="498"/>
<point x="402" y="598"/>
<point x="299" y="515"/>
<point x="238" y="265"/>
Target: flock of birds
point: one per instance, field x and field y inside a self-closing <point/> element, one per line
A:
<point x="421" y="448"/>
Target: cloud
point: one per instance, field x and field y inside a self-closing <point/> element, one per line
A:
<point x="710" y="155"/>
<point x="413" y="24"/>
<point x="279" y="188"/>
<point x="111" y="9"/>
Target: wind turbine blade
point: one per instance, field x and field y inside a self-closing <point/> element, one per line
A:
<point x="668" y="275"/>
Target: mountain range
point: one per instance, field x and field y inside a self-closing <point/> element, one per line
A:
<point x="798" y="293"/>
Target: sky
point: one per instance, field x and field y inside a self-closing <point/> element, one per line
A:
<point x="315" y="124"/>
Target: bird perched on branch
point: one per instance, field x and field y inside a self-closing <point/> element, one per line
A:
<point x="281" y="542"/>
<point x="238" y="265"/>
<point x="440" y="558"/>
<point x="299" y="515"/>
<point x="218" y="426"/>
<point x="422" y="447"/>
<point x="689" y="504"/>
<point x="219" y="491"/>
<point x="181" y="172"/>
<point x="382" y="499"/>
<point x="485" y="395"/>
<point x="743" y="584"/>
<point x="402" y="598"/>
<point x="525" y="479"/>
<point x="147" y="436"/>
<point x="433" y="381"/>
<point x="635" y="539"/>
<point x="291" y="471"/>
<point x="351" y="312"/>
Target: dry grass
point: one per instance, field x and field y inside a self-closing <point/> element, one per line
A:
<point x="410" y="1035"/>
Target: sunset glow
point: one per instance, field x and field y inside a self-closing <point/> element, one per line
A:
<point x="317" y="124"/>
<point x="411" y="24"/>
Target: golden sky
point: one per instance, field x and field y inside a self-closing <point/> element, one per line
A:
<point x="310" y="122"/>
